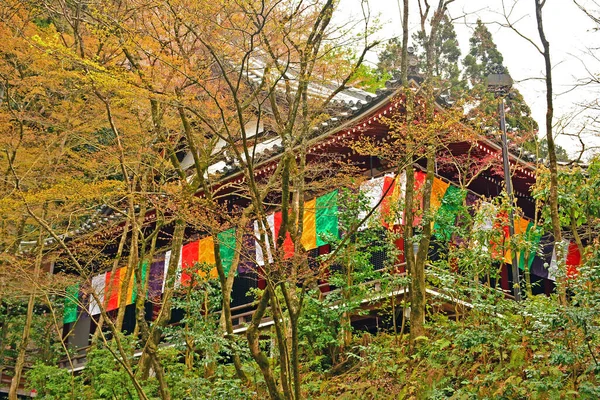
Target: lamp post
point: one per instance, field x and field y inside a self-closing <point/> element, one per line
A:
<point x="500" y="83"/>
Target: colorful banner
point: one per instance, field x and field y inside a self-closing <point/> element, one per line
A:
<point x="156" y="278"/>
<point x="167" y="262"/>
<point x="112" y="289"/>
<point x="132" y="286"/>
<point x="248" y="254"/>
<point x="206" y="255"/>
<point x="309" y="225"/>
<point x="260" y="259"/>
<point x="554" y="262"/>
<point x="521" y="224"/>
<point x="320" y="222"/>
<point x="542" y="262"/>
<point x="445" y="218"/>
<point x="372" y="190"/>
<point x="573" y="260"/>
<point x="393" y="198"/>
<point x="532" y="238"/>
<point x="327" y="217"/>
<point x="226" y="241"/>
<point x="98" y="285"/>
<point x="438" y="191"/>
<point x="418" y="197"/>
<point x="71" y="304"/>
<point x="389" y="202"/>
<point x="288" y="244"/>
<point x="189" y="258"/>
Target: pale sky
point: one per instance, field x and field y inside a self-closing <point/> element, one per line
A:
<point x="568" y="30"/>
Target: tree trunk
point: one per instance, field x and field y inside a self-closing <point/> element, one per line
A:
<point x="556" y="227"/>
<point x="553" y="165"/>
<point x="404" y="60"/>
<point x="149" y="353"/>
<point x="418" y="289"/>
<point x="20" y="363"/>
<point x="252" y="335"/>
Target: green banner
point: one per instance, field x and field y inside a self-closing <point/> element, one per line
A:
<point x="533" y="238"/>
<point x="327" y="217"/>
<point x="71" y="303"/>
<point x="144" y="277"/>
<point x="227" y="248"/>
<point x="445" y="218"/>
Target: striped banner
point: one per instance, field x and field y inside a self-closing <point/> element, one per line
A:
<point x="320" y="224"/>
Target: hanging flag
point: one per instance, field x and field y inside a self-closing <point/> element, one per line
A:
<point x="533" y="235"/>
<point x="398" y="196"/>
<point x="248" y="253"/>
<point x="541" y="262"/>
<point x="206" y="255"/>
<point x="189" y="257"/>
<point x="484" y="219"/>
<point x="98" y="285"/>
<point x="112" y="290"/>
<point x="387" y="200"/>
<point x="520" y="229"/>
<point x="372" y="190"/>
<point x="573" y="260"/>
<point x="132" y="286"/>
<point x="260" y="260"/>
<point x="438" y="190"/>
<point x="327" y="217"/>
<point x="288" y="244"/>
<point x="131" y="289"/>
<point x="483" y="222"/>
<point x="393" y="192"/>
<point x="555" y="262"/>
<point x="166" y="270"/>
<point x="156" y="278"/>
<point x="445" y="218"/>
<point x="71" y="303"/>
<point x="179" y="269"/>
<point x="418" y="197"/>
<point x="309" y="225"/>
<point x="499" y="236"/>
<point x="227" y="248"/>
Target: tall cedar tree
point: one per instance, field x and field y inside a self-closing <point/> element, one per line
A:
<point x="483" y="55"/>
<point x="446" y="55"/>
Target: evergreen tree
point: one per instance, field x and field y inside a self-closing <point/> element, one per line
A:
<point x="483" y="55"/>
<point x="447" y="54"/>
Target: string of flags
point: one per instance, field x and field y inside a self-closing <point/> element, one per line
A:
<point x="320" y="222"/>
